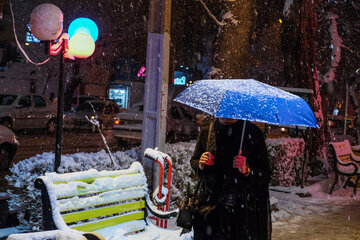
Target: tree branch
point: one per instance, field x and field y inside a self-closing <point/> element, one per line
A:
<point x="221" y="24"/>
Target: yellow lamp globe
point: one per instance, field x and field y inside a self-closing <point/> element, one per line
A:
<point x="81" y="45"/>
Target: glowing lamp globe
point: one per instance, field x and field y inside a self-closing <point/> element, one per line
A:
<point x="83" y="25"/>
<point x="46" y="22"/>
<point x="81" y="45"/>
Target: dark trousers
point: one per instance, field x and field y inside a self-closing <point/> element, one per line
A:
<point x="233" y="223"/>
<point x="205" y="227"/>
<point x="221" y="224"/>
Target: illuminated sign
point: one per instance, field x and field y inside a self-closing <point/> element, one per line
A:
<point x="141" y="72"/>
<point x="179" y="78"/>
<point x="180" y="81"/>
<point x="30" y="37"/>
<point x="128" y="69"/>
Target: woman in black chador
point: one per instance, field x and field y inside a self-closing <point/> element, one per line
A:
<point x="234" y="201"/>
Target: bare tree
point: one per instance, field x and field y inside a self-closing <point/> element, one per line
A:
<point x="233" y="39"/>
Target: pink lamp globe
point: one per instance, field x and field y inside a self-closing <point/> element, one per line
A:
<point x="46" y="22"/>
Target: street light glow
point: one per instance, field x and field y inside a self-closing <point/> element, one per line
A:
<point x="81" y="45"/>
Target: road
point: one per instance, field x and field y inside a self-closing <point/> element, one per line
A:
<point x="73" y="141"/>
<point x="37" y="142"/>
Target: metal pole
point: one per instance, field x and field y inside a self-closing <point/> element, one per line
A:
<point x="60" y="111"/>
<point x="306" y="157"/>
<point x="242" y="137"/>
<point x="156" y="84"/>
<point x="346" y="105"/>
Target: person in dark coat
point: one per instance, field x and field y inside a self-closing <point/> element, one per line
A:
<point x="234" y="201"/>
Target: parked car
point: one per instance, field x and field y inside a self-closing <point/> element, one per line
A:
<point x="8" y="147"/>
<point x="336" y="124"/>
<point x="27" y="111"/>
<point x="181" y="123"/>
<point x="81" y="99"/>
<point x="103" y="110"/>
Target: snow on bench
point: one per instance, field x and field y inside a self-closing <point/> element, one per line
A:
<point x="345" y="162"/>
<point x="112" y="203"/>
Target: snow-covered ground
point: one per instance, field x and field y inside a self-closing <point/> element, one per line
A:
<point x="286" y="201"/>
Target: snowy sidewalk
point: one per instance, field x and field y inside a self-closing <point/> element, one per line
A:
<point x="319" y="217"/>
<point x="337" y="223"/>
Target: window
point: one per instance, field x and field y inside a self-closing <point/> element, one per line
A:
<point x="39" y="101"/>
<point x="108" y="109"/>
<point x="116" y="108"/>
<point x="25" y="101"/>
<point x="7" y="99"/>
<point x="90" y="107"/>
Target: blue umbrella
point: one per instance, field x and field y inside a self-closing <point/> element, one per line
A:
<point x="249" y="100"/>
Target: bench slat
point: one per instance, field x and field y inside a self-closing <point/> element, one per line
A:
<point x="100" y="185"/>
<point x="345" y="158"/>
<point x="110" y="222"/>
<point x="76" y="203"/>
<point x="104" y="211"/>
<point x="82" y="192"/>
<point x="91" y="180"/>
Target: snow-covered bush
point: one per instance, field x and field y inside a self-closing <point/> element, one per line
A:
<point x="27" y="199"/>
<point x="285" y="156"/>
<point x="182" y="174"/>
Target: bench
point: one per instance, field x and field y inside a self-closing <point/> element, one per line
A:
<point x="112" y="203"/>
<point x="345" y="163"/>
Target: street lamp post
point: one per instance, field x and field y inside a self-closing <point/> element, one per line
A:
<point x="60" y="110"/>
<point x="46" y="24"/>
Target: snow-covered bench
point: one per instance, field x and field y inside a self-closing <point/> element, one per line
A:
<point x="345" y="163"/>
<point x="112" y="203"/>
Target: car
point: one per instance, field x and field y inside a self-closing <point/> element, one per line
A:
<point x="8" y="147"/>
<point x="27" y="111"/>
<point x="81" y="99"/>
<point x="181" y="124"/>
<point x="103" y="110"/>
<point x="336" y="124"/>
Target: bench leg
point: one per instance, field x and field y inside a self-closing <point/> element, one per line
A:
<point x="335" y="182"/>
<point x="347" y="182"/>
<point x="356" y="184"/>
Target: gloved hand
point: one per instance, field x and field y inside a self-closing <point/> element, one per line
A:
<point x="240" y="163"/>
<point x="206" y="159"/>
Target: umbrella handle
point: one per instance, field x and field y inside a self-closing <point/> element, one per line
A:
<point x="241" y="140"/>
<point x="242" y="137"/>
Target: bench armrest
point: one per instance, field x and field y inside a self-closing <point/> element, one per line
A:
<point x="48" y="222"/>
<point x="356" y="168"/>
<point x="157" y="213"/>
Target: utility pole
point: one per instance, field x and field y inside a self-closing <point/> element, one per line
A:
<point x="346" y="106"/>
<point x="156" y="84"/>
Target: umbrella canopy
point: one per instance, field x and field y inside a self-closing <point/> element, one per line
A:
<point x="248" y="99"/>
